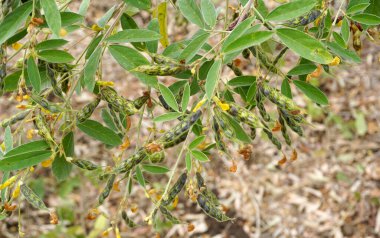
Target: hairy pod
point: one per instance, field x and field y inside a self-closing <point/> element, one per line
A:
<point x="157" y="157"/>
<point x="164" y="103"/>
<point x="210" y="209"/>
<point x="235" y="69"/>
<point x="175" y="189"/>
<point x="15" y="118"/>
<point x="116" y="102"/>
<point x="131" y="162"/>
<point x="224" y="126"/>
<point x="246" y="53"/>
<point x="278" y="98"/>
<point x="140" y="101"/>
<point x="43" y="129"/>
<point x="284" y="130"/>
<point x="264" y="59"/>
<point x="32" y="198"/>
<point x="52" y="107"/>
<point x="3" y="70"/>
<point x="159" y="70"/>
<point x="51" y="75"/>
<point x="161" y="59"/>
<point x="127" y="220"/>
<point x="261" y="107"/>
<point x="87" y="110"/>
<point x="107" y="189"/>
<point x="115" y="118"/>
<point x="272" y="138"/>
<point x="165" y="212"/>
<point x="210" y="196"/>
<point x="84" y="164"/>
<point x="245" y="116"/>
<point x="217" y="135"/>
<point x="253" y="133"/>
<point x="304" y="20"/>
<point x="293" y="124"/>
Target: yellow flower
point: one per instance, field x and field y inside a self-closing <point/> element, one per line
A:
<point x="47" y="162"/>
<point x="16" y="192"/>
<point x="17" y="46"/>
<point x="62" y="32"/>
<point x="223" y="106"/>
<point x="199" y="105"/>
<point x="95" y="27"/>
<point x="8" y="182"/>
<point x="335" y="61"/>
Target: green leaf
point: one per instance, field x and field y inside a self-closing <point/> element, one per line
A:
<point x="90" y="69"/>
<point x="251" y="92"/>
<point x="344" y="53"/>
<point x="338" y="39"/>
<point x="52" y="15"/>
<point x="167" y="117"/>
<point x="241" y="81"/>
<point x="357" y="8"/>
<point x="140" y="4"/>
<point x="286" y="89"/>
<point x="37" y="145"/>
<point x="168" y="96"/>
<point x="213" y="78"/>
<point x="83" y="7"/>
<point x="68" y="144"/>
<point x="185" y="97"/>
<point x="140" y="176"/>
<point x="11" y="81"/>
<point x="208" y="12"/>
<point x="106" y="17"/>
<point x="134" y="35"/>
<point x="93" y="46"/>
<point x="248" y="40"/>
<point x="315" y="94"/>
<point x="304" y="45"/>
<point x="291" y="10"/>
<point x="61" y="168"/>
<point x="367" y="19"/>
<point x="23" y="160"/>
<point x="8" y="139"/>
<point x="34" y="74"/>
<point x="188" y="162"/>
<point x="129" y="59"/>
<point x="155" y="169"/>
<point x="200" y="156"/>
<point x="345" y="30"/>
<point x="69" y="18"/>
<point x="238" y="32"/>
<point x="191" y="12"/>
<point x="107" y="118"/>
<point x="97" y="131"/>
<point x="302" y="69"/>
<point x="196" y="142"/>
<point x="153" y="26"/>
<point x="55" y="56"/>
<point x="50" y="44"/>
<point x="239" y="131"/>
<point x="127" y="22"/>
<point x="14" y="20"/>
<point x="193" y="47"/>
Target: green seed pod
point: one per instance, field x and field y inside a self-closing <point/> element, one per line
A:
<point x="107" y="189"/>
<point x="15" y="118"/>
<point x="253" y="133"/>
<point x="164" y="103"/>
<point x="32" y="198"/>
<point x="118" y="103"/>
<point x="261" y="107"/>
<point x="115" y="118"/>
<point x="3" y="70"/>
<point x="245" y="116"/>
<point x="161" y="59"/>
<point x="304" y="20"/>
<point x="159" y="70"/>
<point x="157" y="157"/>
<point x="272" y="138"/>
<point x="210" y="209"/>
<point x="264" y="60"/>
<point x="128" y="221"/>
<point x="51" y="75"/>
<point x="217" y="135"/>
<point x="52" y="107"/>
<point x="206" y="192"/>
<point x="284" y="130"/>
<point x="139" y="102"/>
<point x="84" y="164"/>
<point x="235" y="69"/>
<point x="43" y="129"/>
<point x="246" y="53"/>
<point x="278" y="98"/>
<point x="225" y="128"/>
<point x="131" y="162"/>
<point x="87" y="110"/>
<point x="175" y="189"/>
<point x="169" y="216"/>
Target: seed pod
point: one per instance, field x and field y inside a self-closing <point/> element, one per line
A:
<point x="3" y="70"/>
<point x="107" y="189"/>
<point x="246" y="53"/>
<point x="157" y="157"/>
<point x="261" y="107"/>
<point x="235" y="69"/>
<point x="263" y="59"/>
<point x="291" y="122"/>
<point x="253" y="133"/>
<point x="304" y="20"/>
<point x="272" y="138"/>
<point x="128" y="221"/>
<point x="139" y="102"/>
<point x="51" y="75"/>
<point x="206" y="192"/>
<point x="161" y="59"/>
<point x="278" y="98"/>
<point x="43" y="129"/>
<point x="131" y="162"/>
<point x="15" y="118"/>
<point x="32" y="198"/>
<point x="218" y="136"/>
<point x="210" y="209"/>
<point x="164" y="103"/>
<point x="245" y="116"/>
<point x="159" y="70"/>
<point x="284" y="130"/>
<point x="116" y="102"/>
<point x="225" y="128"/>
<point x="175" y="189"/>
<point x="52" y="107"/>
<point x="87" y="110"/>
<point x="84" y="164"/>
<point x="169" y="216"/>
<point x="115" y="118"/>
<point x="178" y="133"/>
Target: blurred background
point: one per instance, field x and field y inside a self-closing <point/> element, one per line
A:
<point x="331" y="190"/>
